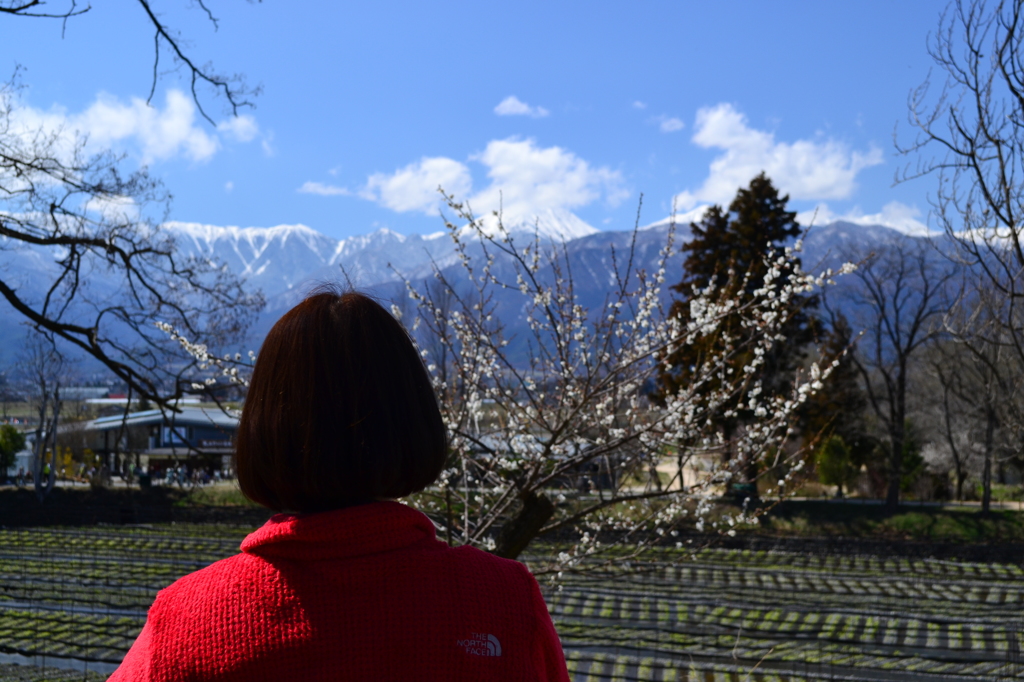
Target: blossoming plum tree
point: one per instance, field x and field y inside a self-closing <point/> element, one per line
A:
<point x="554" y="436"/>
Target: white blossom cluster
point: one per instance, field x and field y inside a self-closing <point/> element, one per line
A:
<point x="229" y="367"/>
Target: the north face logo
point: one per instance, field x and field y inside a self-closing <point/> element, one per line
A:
<point x="481" y="645"/>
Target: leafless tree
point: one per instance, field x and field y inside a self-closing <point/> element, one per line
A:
<point x="44" y="370"/>
<point x="985" y="375"/>
<point x="970" y="138"/>
<point x="898" y="298"/>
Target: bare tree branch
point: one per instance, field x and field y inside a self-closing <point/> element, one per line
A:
<point x="28" y="9"/>
<point x="232" y="88"/>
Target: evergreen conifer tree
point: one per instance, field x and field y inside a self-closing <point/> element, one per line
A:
<point x="835" y="464"/>
<point x="838" y="409"/>
<point x="729" y="250"/>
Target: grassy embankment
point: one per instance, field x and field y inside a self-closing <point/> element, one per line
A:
<point x="793" y="518"/>
<point x="912" y="522"/>
<point x="810" y="519"/>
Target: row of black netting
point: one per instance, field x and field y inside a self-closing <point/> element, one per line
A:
<point x="72" y="600"/>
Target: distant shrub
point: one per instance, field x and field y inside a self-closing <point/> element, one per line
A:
<point x="835" y="464"/>
<point x="12" y="441"/>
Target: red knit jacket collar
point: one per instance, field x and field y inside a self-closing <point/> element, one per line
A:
<point x="354" y="531"/>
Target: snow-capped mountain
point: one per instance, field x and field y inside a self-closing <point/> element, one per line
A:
<point x="285" y="261"/>
<point x="550" y="224"/>
<point x="280" y="259"/>
<point x="277" y="256"/>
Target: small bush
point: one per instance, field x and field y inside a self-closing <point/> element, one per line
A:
<point x="835" y="464"/>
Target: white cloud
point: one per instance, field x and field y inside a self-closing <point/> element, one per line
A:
<point x="671" y="124"/>
<point x="639" y="105"/>
<point x="806" y="169"/>
<point x="161" y="134"/>
<point x="896" y="215"/>
<point x="229" y="186"/>
<point x="414" y="188"/>
<point x="323" y="190"/>
<point x="267" y="144"/>
<point x="242" y="128"/>
<point x="157" y="133"/>
<point x="512" y="106"/>
<point x="118" y="209"/>
<point x="525" y="180"/>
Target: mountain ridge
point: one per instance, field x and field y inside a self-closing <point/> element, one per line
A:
<point x="286" y="261"/>
<point x="278" y="258"/>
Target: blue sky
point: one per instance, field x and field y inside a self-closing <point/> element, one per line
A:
<point x="569" y="106"/>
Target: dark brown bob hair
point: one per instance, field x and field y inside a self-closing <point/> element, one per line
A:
<point x="340" y="410"/>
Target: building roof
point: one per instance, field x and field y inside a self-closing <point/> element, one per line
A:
<point x="188" y="416"/>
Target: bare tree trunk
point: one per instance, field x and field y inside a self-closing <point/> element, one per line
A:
<point x="892" y="498"/>
<point x="40" y="448"/>
<point x="49" y="428"/>
<point x="655" y="476"/>
<point x="986" y="477"/>
<point x="680" y="462"/>
<point x="752" y="472"/>
<point x="56" y="405"/>
<point x="519" y="531"/>
<point x="958" y="462"/>
<point x="448" y="511"/>
<point x="897" y="434"/>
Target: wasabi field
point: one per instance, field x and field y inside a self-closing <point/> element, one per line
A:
<point x="739" y="615"/>
<point x="73" y="599"/>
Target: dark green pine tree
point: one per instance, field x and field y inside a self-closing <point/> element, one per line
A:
<point x="838" y="409"/>
<point x="729" y="250"/>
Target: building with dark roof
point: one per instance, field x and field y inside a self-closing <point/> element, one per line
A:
<point x="195" y="436"/>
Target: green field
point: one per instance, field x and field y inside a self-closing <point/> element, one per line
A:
<point x="931" y="523"/>
<point x="79" y="597"/>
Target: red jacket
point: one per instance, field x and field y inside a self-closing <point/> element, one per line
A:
<point x="364" y="593"/>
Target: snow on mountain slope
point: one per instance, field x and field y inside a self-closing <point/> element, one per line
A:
<point x="279" y="259"/>
<point x="550" y="224"/>
<point x="286" y="258"/>
<point x="271" y="258"/>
